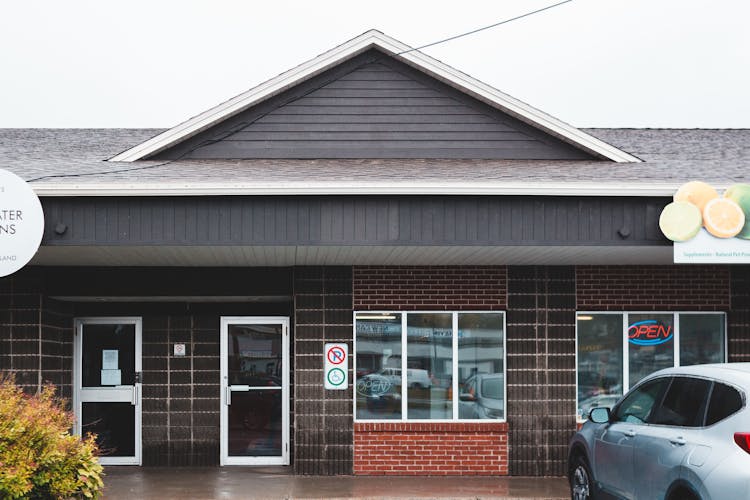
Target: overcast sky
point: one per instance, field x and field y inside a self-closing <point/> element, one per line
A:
<point x="591" y="63"/>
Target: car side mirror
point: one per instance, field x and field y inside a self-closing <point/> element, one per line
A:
<point x="599" y="415"/>
<point x="465" y="396"/>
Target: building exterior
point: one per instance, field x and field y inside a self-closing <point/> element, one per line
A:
<point x="483" y="263"/>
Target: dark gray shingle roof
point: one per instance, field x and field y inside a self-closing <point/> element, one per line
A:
<point x="76" y="157"/>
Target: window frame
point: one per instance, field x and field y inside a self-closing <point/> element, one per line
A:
<point x="625" y="345"/>
<point x="455" y="387"/>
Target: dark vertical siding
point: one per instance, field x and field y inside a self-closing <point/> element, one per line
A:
<point x="350" y="220"/>
<point x="373" y="107"/>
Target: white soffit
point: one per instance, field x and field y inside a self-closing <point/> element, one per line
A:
<point x="402" y="52"/>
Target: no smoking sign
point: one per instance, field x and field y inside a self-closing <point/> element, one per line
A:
<point x="336" y="361"/>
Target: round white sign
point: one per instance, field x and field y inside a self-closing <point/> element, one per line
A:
<point x="21" y="223"/>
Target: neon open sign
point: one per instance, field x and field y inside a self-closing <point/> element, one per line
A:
<point x="649" y="332"/>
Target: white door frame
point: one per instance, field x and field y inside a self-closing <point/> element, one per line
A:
<point x="130" y="394"/>
<point x="225" y="398"/>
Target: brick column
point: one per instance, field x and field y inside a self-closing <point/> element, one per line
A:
<point x="541" y="368"/>
<point x="323" y="442"/>
<point x="739" y="316"/>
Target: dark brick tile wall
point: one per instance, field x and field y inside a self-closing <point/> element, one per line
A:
<point x="36" y="334"/>
<point x="447" y="288"/>
<point x="57" y="346"/>
<point x="20" y="328"/>
<point x="541" y="368"/>
<point x="653" y="288"/>
<point x="738" y="319"/>
<point x="181" y="394"/>
<point x="323" y="426"/>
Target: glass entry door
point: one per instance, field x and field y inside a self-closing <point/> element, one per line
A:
<point x="255" y="391"/>
<point x="107" y="386"/>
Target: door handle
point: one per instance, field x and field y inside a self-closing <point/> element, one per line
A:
<point x="134" y="400"/>
<point x="229" y="396"/>
<point x="679" y="440"/>
<point x="629" y="433"/>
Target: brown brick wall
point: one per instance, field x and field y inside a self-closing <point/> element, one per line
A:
<point x="438" y="449"/>
<point x="447" y="288"/>
<point x="653" y="288"/>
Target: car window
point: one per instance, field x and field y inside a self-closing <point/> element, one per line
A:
<point x="684" y="404"/>
<point x="725" y="400"/>
<point x="638" y="403"/>
<point x="492" y="388"/>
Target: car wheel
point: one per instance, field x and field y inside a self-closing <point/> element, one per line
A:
<point x="581" y="481"/>
<point x="683" y="494"/>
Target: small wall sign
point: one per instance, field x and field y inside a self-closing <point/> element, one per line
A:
<point x="21" y="223"/>
<point x="179" y="349"/>
<point x="336" y="363"/>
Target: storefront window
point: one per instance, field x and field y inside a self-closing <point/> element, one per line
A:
<point x="429" y="362"/>
<point x="701" y="339"/>
<point x="650" y="344"/>
<point x="379" y="381"/>
<point x="647" y="342"/>
<point x="599" y="360"/>
<point x="481" y="366"/>
<point x="454" y="366"/>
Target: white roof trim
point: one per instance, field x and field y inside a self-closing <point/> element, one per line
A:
<point x="362" y="188"/>
<point x="419" y="60"/>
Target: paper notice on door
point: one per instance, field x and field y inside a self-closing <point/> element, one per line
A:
<point x="111" y="377"/>
<point x="109" y="359"/>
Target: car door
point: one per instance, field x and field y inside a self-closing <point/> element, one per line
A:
<point x="672" y="432"/>
<point x="613" y="442"/>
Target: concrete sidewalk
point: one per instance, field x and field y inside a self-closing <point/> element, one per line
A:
<point x="135" y="483"/>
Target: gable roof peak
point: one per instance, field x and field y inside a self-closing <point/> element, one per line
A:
<point x="400" y="51"/>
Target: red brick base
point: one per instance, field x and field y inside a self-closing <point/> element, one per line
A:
<point x="439" y="449"/>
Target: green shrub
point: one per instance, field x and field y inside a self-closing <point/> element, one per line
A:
<point x="39" y="458"/>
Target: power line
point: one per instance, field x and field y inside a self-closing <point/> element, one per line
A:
<point x="244" y="124"/>
<point x="486" y="27"/>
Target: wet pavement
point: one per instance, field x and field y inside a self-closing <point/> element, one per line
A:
<point x="276" y="482"/>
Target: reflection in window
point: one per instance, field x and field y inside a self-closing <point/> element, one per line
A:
<point x="254" y="355"/>
<point x="379" y="378"/>
<point x="637" y="406"/>
<point x="430" y="348"/>
<point x="480" y="366"/>
<point x="701" y="339"/>
<point x="599" y="361"/>
<point x="429" y="358"/>
<point x="650" y="344"/>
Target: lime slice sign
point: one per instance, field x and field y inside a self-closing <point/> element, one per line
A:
<point x="336" y="365"/>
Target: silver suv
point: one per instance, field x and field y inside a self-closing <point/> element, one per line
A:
<point x="680" y="433"/>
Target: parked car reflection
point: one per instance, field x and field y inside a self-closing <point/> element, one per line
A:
<point x="382" y="396"/>
<point x="482" y="397"/>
